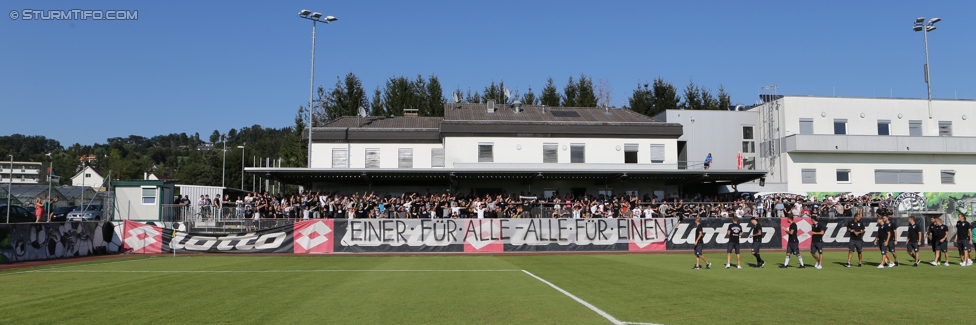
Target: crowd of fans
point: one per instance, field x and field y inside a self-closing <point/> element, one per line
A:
<point x="313" y="205"/>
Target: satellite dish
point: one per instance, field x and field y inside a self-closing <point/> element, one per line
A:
<point x="508" y="95"/>
<point x="362" y="112"/>
<point x="454" y="97"/>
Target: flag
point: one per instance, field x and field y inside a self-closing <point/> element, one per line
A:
<point x="739" y="161"/>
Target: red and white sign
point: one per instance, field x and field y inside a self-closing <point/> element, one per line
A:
<point x="483" y="235"/>
<point x="314" y="236"/>
<point x="803" y="226"/>
<point x="648" y="235"/>
<point x="141" y="238"/>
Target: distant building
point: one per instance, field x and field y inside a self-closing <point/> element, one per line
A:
<point x="23" y="172"/>
<point x="205" y="146"/>
<point x="89" y="176"/>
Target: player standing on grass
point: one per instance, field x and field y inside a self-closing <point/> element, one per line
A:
<point x="938" y="234"/>
<point x="757" y="235"/>
<point x="734" y="232"/>
<point x="892" y="238"/>
<point x="914" y="239"/>
<point x="792" y="244"/>
<point x="816" y="242"/>
<point x="856" y="230"/>
<point x="962" y="241"/>
<point x="882" y="242"/>
<point x="698" y="246"/>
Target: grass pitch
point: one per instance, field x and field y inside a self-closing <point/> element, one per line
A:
<point x="500" y="289"/>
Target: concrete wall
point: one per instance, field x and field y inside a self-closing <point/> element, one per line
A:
<point x="715" y="132"/>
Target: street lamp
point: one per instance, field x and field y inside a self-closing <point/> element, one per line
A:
<point x="315" y="17"/>
<point x="242" y="165"/>
<point x="10" y="186"/>
<point x="50" y="171"/>
<point x="925" y="28"/>
<point x="223" y="175"/>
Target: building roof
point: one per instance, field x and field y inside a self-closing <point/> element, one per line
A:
<point x="73" y="192"/>
<point x="26" y="193"/>
<point x="97" y="171"/>
<point x="471" y="119"/>
<point x="534" y="113"/>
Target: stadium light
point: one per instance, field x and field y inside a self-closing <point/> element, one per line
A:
<point x="315" y="17"/>
<point x="921" y="26"/>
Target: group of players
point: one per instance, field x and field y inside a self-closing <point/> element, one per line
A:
<point x="938" y="235"/>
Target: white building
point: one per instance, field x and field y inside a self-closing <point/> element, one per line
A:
<point x="848" y="145"/>
<point x="21" y="172"/>
<point x="504" y="148"/>
<point x="89" y="176"/>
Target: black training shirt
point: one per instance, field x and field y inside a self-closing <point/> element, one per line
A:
<point x="735" y="230"/>
<point x="699" y="233"/>
<point x="962" y="230"/>
<point x="793" y="238"/>
<point x="856" y="226"/>
<point x="914" y="232"/>
<point x="816" y="227"/>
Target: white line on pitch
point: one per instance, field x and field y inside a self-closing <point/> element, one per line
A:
<point x="55" y="268"/>
<point x="255" y="271"/>
<point x="583" y="302"/>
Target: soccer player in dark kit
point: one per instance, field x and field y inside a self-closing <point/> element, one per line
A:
<point x="961" y="238"/>
<point x="698" y="246"/>
<point x="938" y="234"/>
<point x="816" y="242"/>
<point x="734" y="232"/>
<point x="914" y="239"/>
<point x="856" y="231"/>
<point x="892" y="237"/>
<point x="792" y="244"/>
<point x="882" y="242"/>
<point x="757" y="235"/>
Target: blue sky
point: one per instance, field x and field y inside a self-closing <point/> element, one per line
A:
<point x="204" y="65"/>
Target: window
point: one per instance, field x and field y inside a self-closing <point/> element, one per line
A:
<point x="945" y="128"/>
<point x="884" y="127"/>
<point x="372" y="158"/>
<point x="577" y="153"/>
<point x="339" y="158"/>
<point x="896" y="176"/>
<point x="657" y="153"/>
<point x="915" y="128"/>
<point x="485" y="152"/>
<point x="747" y="133"/>
<point x="748" y="147"/>
<point x="149" y="196"/>
<point x="809" y="176"/>
<point x="749" y="163"/>
<point x="948" y="176"/>
<point x="87" y="175"/>
<point x="630" y="153"/>
<point x="840" y="126"/>
<point x="550" y="153"/>
<point x="405" y="158"/>
<point x="843" y="175"/>
<point x="437" y="157"/>
<point x="806" y="126"/>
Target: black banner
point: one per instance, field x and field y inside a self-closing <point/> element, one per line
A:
<point x="836" y="235"/>
<point x="21" y="242"/>
<point x="714" y="234"/>
<point x="274" y="240"/>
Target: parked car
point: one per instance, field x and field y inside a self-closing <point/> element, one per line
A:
<point x="17" y="214"/>
<point x="61" y="213"/>
<point x="88" y="213"/>
<point x="30" y="209"/>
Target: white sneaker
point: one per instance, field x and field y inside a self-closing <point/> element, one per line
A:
<point x="738" y="266"/>
<point x="818" y="266"/>
<point x="727" y="266"/>
<point x="891" y="264"/>
<point x="969" y="263"/>
<point x="934" y="263"/>
<point x="962" y="263"/>
<point x="946" y="263"/>
<point x="880" y="266"/>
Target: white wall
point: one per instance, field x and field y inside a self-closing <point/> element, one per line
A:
<point x="823" y="111"/>
<point x="715" y="132"/>
<point x="389" y="153"/>
<point x="128" y="205"/>
<point x="862" y="167"/>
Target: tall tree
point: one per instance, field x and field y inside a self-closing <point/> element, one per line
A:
<point x="665" y="96"/>
<point x="693" y="98"/>
<point x="346" y="98"/>
<point x="570" y="94"/>
<point x="398" y="95"/>
<point x="493" y="92"/>
<point x="376" y="107"/>
<point x="529" y="98"/>
<point x="550" y="96"/>
<point x="724" y="100"/>
<point x="586" y="95"/>
<point x="434" y="105"/>
<point x="708" y="101"/>
<point x="604" y="94"/>
<point x="642" y="100"/>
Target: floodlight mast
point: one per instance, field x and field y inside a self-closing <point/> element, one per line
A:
<point x="315" y="17"/>
<point x="925" y="28"/>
